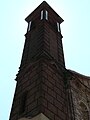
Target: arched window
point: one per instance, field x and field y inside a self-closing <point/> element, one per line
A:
<point x="31" y="26"/>
<point x="44" y="14"/>
<point x="84" y="111"/>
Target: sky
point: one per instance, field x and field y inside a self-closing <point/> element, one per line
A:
<point x="76" y="40"/>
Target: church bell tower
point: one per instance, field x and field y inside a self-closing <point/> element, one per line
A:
<point x="40" y="90"/>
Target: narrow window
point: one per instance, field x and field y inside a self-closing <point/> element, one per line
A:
<point x="41" y="14"/>
<point x="29" y="26"/>
<point x="58" y="27"/>
<point x="46" y="15"/>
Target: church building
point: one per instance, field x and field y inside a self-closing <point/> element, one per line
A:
<point x="46" y="89"/>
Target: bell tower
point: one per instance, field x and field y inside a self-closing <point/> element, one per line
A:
<point x="43" y="37"/>
<point x="40" y="91"/>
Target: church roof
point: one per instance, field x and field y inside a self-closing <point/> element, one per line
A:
<point x="79" y="74"/>
<point x="85" y="80"/>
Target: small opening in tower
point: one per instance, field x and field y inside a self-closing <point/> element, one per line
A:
<point x="29" y="26"/>
<point x="58" y="27"/>
<point x="41" y="14"/>
<point x="44" y="14"/>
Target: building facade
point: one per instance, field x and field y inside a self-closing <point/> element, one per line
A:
<point x="45" y="89"/>
<point x="79" y="88"/>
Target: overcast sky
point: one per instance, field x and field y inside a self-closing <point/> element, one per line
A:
<point x="76" y="40"/>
